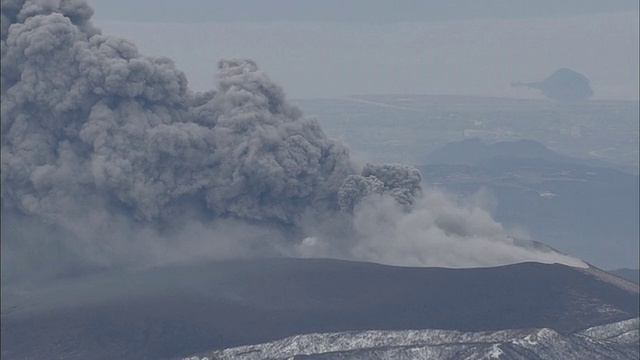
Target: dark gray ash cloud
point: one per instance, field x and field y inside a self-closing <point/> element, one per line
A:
<point x="400" y="182"/>
<point x="108" y="158"/>
<point x="86" y="118"/>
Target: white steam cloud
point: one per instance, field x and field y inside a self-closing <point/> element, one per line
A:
<point x="436" y="232"/>
<point x="108" y="159"/>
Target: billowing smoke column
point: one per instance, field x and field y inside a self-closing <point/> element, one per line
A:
<point x="86" y="121"/>
<point x="107" y="157"/>
<point x="94" y="133"/>
<point x="401" y="182"/>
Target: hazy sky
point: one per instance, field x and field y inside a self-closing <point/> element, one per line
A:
<point x="131" y="169"/>
<point x="335" y="49"/>
<point x="368" y="11"/>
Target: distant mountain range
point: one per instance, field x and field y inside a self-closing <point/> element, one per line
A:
<point x="169" y="312"/>
<point x="580" y="207"/>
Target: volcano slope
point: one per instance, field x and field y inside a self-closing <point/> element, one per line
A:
<point x="168" y="312"/>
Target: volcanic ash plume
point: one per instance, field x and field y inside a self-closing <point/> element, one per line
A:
<point x="106" y="153"/>
<point x="113" y="150"/>
<point x="400" y="182"/>
<point x="86" y="120"/>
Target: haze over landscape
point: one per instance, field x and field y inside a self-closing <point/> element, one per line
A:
<point x="336" y="48"/>
<point x="133" y="182"/>
<point x="132" y="168"/>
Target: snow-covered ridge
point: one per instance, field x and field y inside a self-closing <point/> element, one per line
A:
<point x="626" y="332"/>
<point x="612" y="341"/>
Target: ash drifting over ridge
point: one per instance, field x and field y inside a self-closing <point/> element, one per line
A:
<point x="112" y="149"/>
